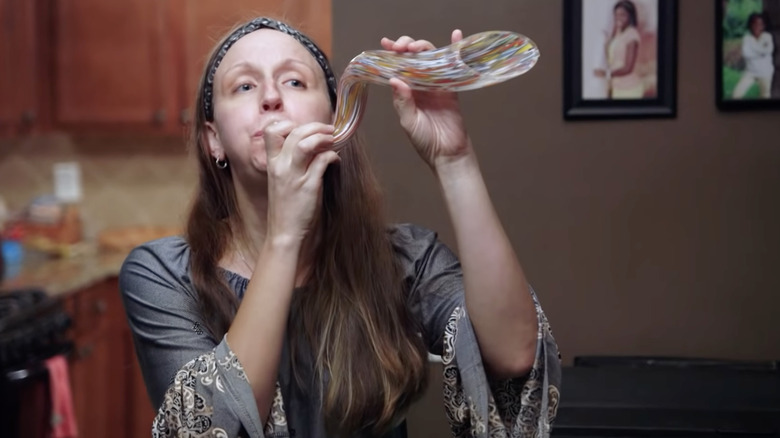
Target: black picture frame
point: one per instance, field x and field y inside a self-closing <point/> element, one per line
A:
<point x="726" y="47"/>
<point x="664" y="102"/>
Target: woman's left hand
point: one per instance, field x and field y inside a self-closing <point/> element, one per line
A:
<point x="432" y="119"/>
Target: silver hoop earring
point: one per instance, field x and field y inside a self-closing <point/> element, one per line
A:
<point x="220" y="163"/>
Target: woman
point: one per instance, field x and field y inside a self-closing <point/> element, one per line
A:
<point x="757" y="50"/>
<point x="622" y="49"/>
<point x="290" y="308"/>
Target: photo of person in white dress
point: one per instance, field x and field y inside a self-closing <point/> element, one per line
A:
<point x="619" y="49"/>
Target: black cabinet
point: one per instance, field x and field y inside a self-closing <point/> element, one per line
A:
<point x="668" y="397"/>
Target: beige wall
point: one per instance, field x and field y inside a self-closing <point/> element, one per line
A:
<point x="651" y="237"/>
<point x="126" y="181"/>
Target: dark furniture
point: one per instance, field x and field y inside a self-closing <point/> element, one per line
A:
<point x="668" y="397"/>
<point x="32" y="330"/>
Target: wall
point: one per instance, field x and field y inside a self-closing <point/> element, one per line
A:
<point x="645" y="237"/>
<point x="126" y="181"/>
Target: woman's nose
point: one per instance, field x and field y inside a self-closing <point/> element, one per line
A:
<point x="272" y="99"/>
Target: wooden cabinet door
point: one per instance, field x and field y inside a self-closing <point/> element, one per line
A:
<point x="98" y="387"/>
<point x="313" y="18"/>
<point x="140" y="413"/>
<point x="99" y="362"/>
<point x="19" y="66"/>
<point x="204" y="22"/>
<point x="112" y="64"/>
<point x="132" y="65"/>
<point x="109" y="395"/>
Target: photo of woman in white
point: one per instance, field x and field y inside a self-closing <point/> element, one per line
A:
<point x="619" y="49"/>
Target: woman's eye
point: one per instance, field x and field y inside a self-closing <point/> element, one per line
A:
<point x="295" y="83"/>
<point x="244" y="87"/>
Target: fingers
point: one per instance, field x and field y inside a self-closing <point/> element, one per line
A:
<point x="387" y="43"/>
<point x="288" y="145"/>
<point x="402" y="93"/>
<point x="274" y="136"/>
<point x="318" y="165"/>
<point x="406" y="44"/>
<point x="402" y="44"/>
<point x="420" y="46"/>
<point x="457" y="35"/>
<point x="308" y="141"/>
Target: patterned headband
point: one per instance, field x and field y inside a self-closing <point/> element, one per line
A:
<point x="256" y="24"/>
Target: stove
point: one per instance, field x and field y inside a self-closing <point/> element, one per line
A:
<point x="32" y="329"/>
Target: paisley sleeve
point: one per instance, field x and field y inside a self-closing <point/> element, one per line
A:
<point x="480" y="407"/>
<point x="209" y="397"/>
<point x="476" y="405"/>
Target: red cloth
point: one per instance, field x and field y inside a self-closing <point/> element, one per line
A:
<point x="63" y="418"/>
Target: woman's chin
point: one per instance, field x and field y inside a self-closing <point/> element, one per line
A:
<point x="259" y="164"/>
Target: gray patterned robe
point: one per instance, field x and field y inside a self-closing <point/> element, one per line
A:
<point x="201" y="390"/>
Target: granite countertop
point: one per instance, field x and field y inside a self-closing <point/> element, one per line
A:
<point x="61" y="276"/>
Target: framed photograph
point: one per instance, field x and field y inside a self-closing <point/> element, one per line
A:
<point x="620" y="59"/>
<point x="747" y="70"/>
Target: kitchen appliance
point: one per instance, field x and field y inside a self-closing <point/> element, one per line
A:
<point x="32" y="330"/>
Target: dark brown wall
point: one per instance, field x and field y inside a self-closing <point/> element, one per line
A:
<point x="652" y="237"/>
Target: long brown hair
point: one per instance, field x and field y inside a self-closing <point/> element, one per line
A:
<point x="352" y="319"/>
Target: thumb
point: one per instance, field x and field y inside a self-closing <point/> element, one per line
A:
<point x="403" y="101"/>
<point x="274" y="136"/>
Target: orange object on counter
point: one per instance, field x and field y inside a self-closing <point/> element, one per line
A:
<point x="66" y="231"/>
<point x="124" y="239"/>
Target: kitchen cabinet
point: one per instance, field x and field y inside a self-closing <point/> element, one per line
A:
<point x="112" y="64"/>
<point x="92" y="66"/>
<point x="20" y="67"/>
<point x="108" y="391"/>
<point x="135" y="65"/>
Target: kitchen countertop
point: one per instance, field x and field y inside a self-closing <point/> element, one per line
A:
<point x="61" y="276"/>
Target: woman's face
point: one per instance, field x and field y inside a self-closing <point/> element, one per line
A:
<point x="757" y="26"/>
<point x="621" y="18"/>
<point x="266" y="76"/>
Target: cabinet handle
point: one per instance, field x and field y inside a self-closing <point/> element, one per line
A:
<point x="85" y="351"/>
<point x="159" y="116"/>
<point x="100" y="307"/>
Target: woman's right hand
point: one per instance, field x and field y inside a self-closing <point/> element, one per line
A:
<point x="297" y="157"/>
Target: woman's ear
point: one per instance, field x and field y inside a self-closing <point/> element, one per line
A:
<point x="214" y="143"/>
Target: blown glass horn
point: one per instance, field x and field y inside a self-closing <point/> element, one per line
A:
<point x="478" y="61"/>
